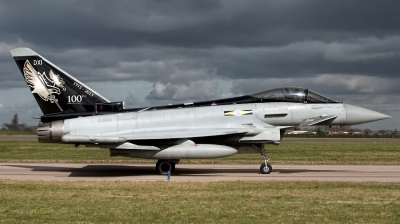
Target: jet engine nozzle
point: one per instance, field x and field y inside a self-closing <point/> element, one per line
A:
<point x="359" y="115"/>
<point x="51" y="131"/>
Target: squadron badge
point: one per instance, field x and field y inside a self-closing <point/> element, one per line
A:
<point x="43" y="85"/>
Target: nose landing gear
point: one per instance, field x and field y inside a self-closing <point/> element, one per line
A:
<point x="265" y="168"/>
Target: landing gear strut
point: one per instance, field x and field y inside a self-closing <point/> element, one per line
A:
<point x="163" y="166"/>
<point x="265" y="168"/>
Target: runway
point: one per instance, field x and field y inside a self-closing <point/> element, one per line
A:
<point x="197" y="173"/>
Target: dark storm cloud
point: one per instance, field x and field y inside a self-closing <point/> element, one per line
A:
<point x="195" y="23"/>
<point x="100" y="23"/>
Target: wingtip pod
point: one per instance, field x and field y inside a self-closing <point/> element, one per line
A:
<point x="22" y="51"/>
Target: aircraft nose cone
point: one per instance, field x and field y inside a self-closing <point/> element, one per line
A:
<point x="359" y="115"/>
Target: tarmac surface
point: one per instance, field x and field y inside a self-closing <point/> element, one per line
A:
<point x="197" y="173"/>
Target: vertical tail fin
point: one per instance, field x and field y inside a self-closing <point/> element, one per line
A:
<point x="54" y="90"/>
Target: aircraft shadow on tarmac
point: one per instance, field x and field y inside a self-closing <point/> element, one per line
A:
<point x="145" y="170"/>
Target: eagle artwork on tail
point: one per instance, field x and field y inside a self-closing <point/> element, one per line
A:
<point x="42" y="85"/>
<point x="58" y="81"/>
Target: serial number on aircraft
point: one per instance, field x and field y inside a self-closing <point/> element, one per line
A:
<point x="104" y="120"/>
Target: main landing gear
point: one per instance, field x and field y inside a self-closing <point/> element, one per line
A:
<point x="163" y="166"/>
<point x="265" y="168"/>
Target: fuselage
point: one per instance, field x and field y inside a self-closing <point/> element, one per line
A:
<point x="238" y="116"/>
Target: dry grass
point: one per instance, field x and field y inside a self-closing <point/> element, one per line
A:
<point x="223" y="202"/>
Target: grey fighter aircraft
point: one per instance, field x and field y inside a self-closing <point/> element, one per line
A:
<point x="73" y="113"/>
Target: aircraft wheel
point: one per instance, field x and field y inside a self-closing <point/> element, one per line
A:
<point x="266" y="169"/>
<point x="163" y="166"/>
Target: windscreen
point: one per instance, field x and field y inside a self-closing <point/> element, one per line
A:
<point x="285" y="94"/>
<point x="314" y="97"/>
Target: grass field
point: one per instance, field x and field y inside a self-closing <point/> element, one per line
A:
<point x="332" y="152"/>
<point x="220" y="202"/>
<point x="223" y="202"/>
<point x="13" y="132"/>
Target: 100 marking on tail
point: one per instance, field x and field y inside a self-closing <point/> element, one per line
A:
<point x="75" y="98"/>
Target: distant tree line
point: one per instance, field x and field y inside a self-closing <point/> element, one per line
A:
<point x="324" y="130"/>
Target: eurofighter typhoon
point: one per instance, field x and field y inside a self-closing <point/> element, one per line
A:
<point x="73" y="113"/>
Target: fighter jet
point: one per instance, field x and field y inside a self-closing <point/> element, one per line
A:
<point x="73" y="113"/>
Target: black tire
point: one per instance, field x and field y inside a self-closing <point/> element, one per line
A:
<point x="266" y="169"/>
<point x="162" y="167"/>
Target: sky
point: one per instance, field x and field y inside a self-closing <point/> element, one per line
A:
<point x="154" y="52"/>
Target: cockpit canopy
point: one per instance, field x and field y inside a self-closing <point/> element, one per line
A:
<point x="284" y="94"/>
<point x="292" y="94"/>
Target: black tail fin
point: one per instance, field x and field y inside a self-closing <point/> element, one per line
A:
<point x="54" y="90"/>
